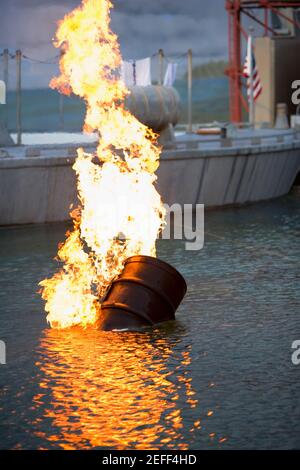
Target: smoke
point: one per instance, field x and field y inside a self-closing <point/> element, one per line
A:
<point x="142" y="27"/>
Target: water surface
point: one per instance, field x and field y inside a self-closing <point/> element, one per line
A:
<point x="221" y="376"/>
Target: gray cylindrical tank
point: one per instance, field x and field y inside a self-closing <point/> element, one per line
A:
<point x="282" y="121"/>
<point x="154" y="106"/>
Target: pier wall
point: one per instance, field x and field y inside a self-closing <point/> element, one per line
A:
<point x="42" y="188"/>
<point x="228" y="177"/>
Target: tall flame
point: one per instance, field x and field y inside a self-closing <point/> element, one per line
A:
<point x="120" y="211"/>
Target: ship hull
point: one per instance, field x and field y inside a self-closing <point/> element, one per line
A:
<point x="38" y="184"/>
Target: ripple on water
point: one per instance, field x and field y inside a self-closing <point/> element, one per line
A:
<point x="219" y="377"/>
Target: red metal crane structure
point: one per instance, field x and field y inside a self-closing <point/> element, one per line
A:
<point x="252" y="9"/>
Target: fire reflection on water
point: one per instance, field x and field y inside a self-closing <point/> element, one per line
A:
<point x="115" y="390"/>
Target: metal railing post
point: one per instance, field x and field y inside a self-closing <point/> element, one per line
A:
<point x="19" y="98"/>
<point x="5" y="77"/>
<point x="161" y="67"/>
<point x="61" y="112"/>
<point x="190" y="85"/>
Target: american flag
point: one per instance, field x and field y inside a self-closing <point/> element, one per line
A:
<point x="257" y="86"/>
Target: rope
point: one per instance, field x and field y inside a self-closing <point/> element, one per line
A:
<point x="53" y="60"/>
<point x="176" y="58"/>
<point x="46" y="62"/>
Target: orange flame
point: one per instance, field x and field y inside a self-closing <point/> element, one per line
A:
<point x="109" y="226"/>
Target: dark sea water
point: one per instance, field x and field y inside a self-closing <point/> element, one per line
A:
<point x="40" y="108"/>
<point x="221" y="376"/>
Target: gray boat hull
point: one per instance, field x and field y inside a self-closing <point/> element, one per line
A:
<point x="41" y="188"/>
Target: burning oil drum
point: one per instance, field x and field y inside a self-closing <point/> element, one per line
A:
<point x="154" y="106"/>
<point x="148" y="291"/>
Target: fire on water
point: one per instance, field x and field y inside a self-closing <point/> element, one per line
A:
<point x="109" y="225"/>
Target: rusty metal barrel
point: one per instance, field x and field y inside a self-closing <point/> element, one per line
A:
<point x="148" y="291"/>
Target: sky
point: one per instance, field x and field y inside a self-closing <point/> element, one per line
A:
<point x="143" y="27"/>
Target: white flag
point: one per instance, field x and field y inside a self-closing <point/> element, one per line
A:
<point x="136" y="72"/>
<point x="127" y="73"/>
<point x="170" y="75"/>
<point x="143" y="72"/>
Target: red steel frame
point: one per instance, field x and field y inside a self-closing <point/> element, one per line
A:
<point x="235" y="10"/>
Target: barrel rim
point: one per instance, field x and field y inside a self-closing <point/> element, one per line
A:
<point x="159" y="263"/>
